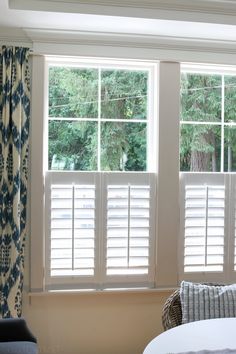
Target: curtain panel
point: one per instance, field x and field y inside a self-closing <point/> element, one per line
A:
<point x="14" y="150"/>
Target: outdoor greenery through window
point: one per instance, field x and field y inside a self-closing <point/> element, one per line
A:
<point x="98" y="118"/>
<point x="208" y="122"/>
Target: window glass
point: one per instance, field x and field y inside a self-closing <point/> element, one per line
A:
<point x="200" y="148"/>
<point x="72" y="145"/>
<point x="208" y="122"/>
<point x="201" y="97"/>
<point x="230" y="148"/>
<point x="73" y="92"/>
<point x="230" y="99"/>
<point x="127" y="149"/>
<point x="124" y="94"/>
<point x="83" y="106"/>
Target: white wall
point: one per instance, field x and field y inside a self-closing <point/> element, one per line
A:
<point x="121" y="323"/>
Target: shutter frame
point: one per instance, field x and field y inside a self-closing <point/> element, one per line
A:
<point x="203" y="179"/>
<point x="132" y="179"/>
<point x="68" y="179"/>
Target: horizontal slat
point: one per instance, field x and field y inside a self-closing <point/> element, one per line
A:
<point x="128" y="214"/>
<point x="204" y="212"/>
<point x="127" y="271"/>
<point x="72" y="230"/>
<point x="70" y="272"/>
<point x="209" y="268"/>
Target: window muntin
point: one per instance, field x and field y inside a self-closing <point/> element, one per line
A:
<point x="105" y="112"/>
<point x="207" y="141"/>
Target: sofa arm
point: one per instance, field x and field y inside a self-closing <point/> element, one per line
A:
<point x="15" y="329"/>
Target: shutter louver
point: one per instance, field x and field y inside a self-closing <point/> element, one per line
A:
<point x="72" y="230"/>
<point x="128" y="229"/>
<point x="204" y="226"/>
<point x="101" y="230"/>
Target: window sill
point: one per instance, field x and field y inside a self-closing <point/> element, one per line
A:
<point x="100" y="292"/>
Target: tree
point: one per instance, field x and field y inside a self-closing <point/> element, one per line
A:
<point x="73" y="93"/>
<point x="200" y="102"/>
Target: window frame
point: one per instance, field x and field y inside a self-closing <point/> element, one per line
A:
<point x="100" y="63"/>
<point x="39" y="111"/>
<point x="222" y="71"/>
<point x="224" y="178"/>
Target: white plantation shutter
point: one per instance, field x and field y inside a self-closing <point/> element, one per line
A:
<point x="101" y="229"/>
<point x="71" y="217"/>
<point x="129" y="244"/>
<point x="204" y="228"/>
<point x="204" y="224"/>
<point x="72" y="229"/>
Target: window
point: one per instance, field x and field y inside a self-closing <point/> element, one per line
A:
<point x="99" y="117"/>
<point x="99" y="179"/>
<point x="208" y="123"/>
<point x="207" y="144"/>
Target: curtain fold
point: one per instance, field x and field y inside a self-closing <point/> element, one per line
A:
<point x="14" y="149"/>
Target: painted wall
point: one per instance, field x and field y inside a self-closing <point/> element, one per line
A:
<point x="113" y="323"/>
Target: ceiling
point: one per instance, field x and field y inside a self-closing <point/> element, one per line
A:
<point x="154" y="17"/>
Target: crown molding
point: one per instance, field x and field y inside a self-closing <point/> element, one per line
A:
<point x="116" y="45"/>
<point x="210" y="11"/>
<point x="130" y="40"/>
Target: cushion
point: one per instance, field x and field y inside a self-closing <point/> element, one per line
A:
<point x="18" y="348"/>
<point x="201" y="301"/>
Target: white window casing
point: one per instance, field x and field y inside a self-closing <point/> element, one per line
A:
<point x="84" y="264"/>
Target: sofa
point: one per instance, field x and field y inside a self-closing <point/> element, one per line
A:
<point x="16" y="338"/>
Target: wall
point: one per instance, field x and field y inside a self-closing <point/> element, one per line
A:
<point x="113" y="323"/>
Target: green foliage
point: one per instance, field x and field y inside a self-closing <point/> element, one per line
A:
<point x="200" y="102"/>
<point x="73" y="93"/>
<point x="124" y="94"/>
<point x="71" y="145"/>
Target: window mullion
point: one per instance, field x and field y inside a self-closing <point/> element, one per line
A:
<point x="99" y="120"/>
<point x="222" y="121"/>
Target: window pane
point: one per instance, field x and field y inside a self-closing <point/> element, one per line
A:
<point x="200" y="148"/>
<point x="73" y="92"/>
<point x="72" y="145"/>
<point x="124" y="94"/>
<point x="200" y="97"/>
<point x="230" y="98"/>
<point x="230" y="149"/>
<point x="123" y="146"/>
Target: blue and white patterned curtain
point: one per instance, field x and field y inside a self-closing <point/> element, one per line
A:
<point x="14" y="148"/>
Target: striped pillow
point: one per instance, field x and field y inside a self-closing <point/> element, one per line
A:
<point x="201" y="302"/>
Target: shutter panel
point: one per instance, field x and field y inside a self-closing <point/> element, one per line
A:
<point x="128" y="230"/>
<point x="101" y="229"/>
<point x="204" y="228"/>
<point x="129" y="226"/>
<point x="72" y="230"/>
<point x="72" y="223"/>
